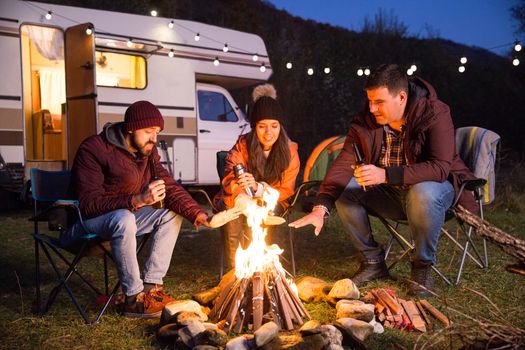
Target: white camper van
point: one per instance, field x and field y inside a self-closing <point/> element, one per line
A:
<point x="67" y="71"/>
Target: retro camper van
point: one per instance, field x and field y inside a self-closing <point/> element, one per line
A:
<point x="67" y="71"/>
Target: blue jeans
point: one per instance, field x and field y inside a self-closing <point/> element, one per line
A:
<point x="121" y="227"/>
<point x="423" y="205"/>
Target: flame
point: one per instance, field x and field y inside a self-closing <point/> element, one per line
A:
<point x="258" y="256"/>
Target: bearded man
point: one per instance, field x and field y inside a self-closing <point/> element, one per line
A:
<point x="112" y="177"/>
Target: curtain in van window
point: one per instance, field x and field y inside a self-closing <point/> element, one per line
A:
<point x="52" y="89"/>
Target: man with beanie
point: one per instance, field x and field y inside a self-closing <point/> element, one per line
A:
<point x="412" y="173"/>
<point x="112" y="179"/>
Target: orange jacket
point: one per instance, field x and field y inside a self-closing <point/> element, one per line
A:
<point x="239" y="154"/>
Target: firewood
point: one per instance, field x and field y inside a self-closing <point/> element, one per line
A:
<point x="388" y="300"/>
<point x="423" y="313"/>
<point x="257" y="300"/>
<point x="435" y="312"/>
<point x="232" y="315"/>
<point x="413" y="314"/>
<point x="381" y="317"/>
<point x="379" y="308"/>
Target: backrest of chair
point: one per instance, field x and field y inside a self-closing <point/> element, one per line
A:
<point x="478" y="147"/>
<point x="49" y="186"/>
<point x="221" y="163"/>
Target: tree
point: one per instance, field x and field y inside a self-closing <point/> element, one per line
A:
<point x="518" y="12"/>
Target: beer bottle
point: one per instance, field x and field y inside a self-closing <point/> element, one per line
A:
<point x="159" y="204"/>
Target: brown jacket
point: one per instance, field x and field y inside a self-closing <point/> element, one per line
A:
<point x="106" y="175"/>
<point x="429" y="144"/>
<point x="239" y="154"/>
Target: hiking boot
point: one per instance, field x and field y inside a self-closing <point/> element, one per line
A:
<point x="421" y="283"/>
<point x="370" y="271"/>
<point x="148" y="305"/>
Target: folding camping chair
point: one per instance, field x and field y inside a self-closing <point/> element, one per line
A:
<point x="292" y="201"/>
<point x="477" y="147"/>
<point x="49" y="190"/>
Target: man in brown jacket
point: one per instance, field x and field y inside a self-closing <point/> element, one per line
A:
<point x="412" y="172"/>
<point x="113" y="179"/>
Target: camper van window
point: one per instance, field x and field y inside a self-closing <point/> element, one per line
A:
<point x="214" y="106"/>
<point x="120" y="70"/>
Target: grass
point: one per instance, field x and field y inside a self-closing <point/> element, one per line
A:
<point x="195" y="268"/>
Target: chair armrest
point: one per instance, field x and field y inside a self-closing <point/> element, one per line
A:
<point x="205" y="194"/>
<point x="473" y="185"/>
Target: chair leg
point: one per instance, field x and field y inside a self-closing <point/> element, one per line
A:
<point x="291" y="240"/>
<point x="37" y="277"/>
<point x="461" y="247"/>
<point x="389" y="247"/>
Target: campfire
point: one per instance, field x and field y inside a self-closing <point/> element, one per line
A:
<point x="258" y="292"/>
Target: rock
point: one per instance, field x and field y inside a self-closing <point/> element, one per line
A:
<point x="356" y="328"/>
<point x="348" y="301"/>
<point x="214" y="337"/>
<point x="206" y="347"/>
<point x="174" y="307"/>
<point x="311" y="288"/>
<point x="363" y="312"/>
<point x="266" y="333"/>
<point x="239" y="343"/>
<point x="310" y="327"/>
<point x="209" y="325"/>
<point x="332" y="335"/>
<point x="311" y="342"/>
<point x="189" y="333"/>
<point x="344" y="289"/>
<point x="168" y="333"/>
<point x="207" y="296"/>
<point x="330" y="347"/>
<point x="283" y="341"/>
<point x="179" y="345"/>
<point x="378" y="327"/>
<point x="185" y="317"/>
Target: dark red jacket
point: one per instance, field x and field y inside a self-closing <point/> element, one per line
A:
<point x="106" y="175"/>
<point x="429" y="144"/>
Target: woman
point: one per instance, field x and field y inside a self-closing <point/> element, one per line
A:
<point x="269" y="159"/>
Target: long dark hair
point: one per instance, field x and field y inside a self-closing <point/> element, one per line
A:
<point x="269" y="169"/>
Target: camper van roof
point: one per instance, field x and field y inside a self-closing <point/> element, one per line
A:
<point x="148" y="30"/>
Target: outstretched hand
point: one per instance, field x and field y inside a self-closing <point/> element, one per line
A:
<point x="316" y="218"/>
<point x="201" y="220"/>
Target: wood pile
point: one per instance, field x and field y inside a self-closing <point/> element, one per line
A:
<point x="394" y="312"/>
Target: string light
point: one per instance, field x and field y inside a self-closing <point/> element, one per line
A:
<point x="263" y="68"/>
<point x="255" y="58"/>
<point x="367" y="71"/>
<point x="410" y="71"/>
<point x="216" y="61"/>
<point x="326" y="70"/>
<point x="517" y="46"/>
<point x="463" y="60"/>
<point x="225" y="48"/>
<point x="171" y="24"/>
<point x="49" y="15"/>
<point x="461" y="69"/>
<point x="197" y="37"/>
<point x="171" y="53"/>
<point x="360" y="72"/>
<point x="153" y="13"/>
<point x="288" y="65"/>
<point x="515" y="62"/>
<point x="129" y="43"/>
<point x="413" y="68"/>
<point x="89" y="31"/>
<point x="310" y="71"/>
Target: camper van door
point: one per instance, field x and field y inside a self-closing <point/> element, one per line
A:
<point x="220" y="122"/>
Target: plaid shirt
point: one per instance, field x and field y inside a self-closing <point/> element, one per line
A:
<point x="392" y="150"/>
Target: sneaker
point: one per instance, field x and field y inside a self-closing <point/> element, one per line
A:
<point x="148" y="305"/>
<point x="370" y="271"/>
<point x="421" y="283"/>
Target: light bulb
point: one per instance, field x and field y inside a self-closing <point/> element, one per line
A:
<point x="225" y="48"/>
<point x="360" y="72"/>
<point x="129" y="43"/>
<point x="461" y="69"/>
<point x="463" y="60"/>
<point x="327" y="70"/>
<point x="410" y="71"/>
<point x="413" y="68"/>
<point x="516" y="62"/>
<point x="171" y="53"/>
<point x="310" y="71"/>
<point x="49" y="15"/>
<point x="289" y="65"/>
<point x="171" y="24"/>
<point x="255" y="58"/>
<point x="153" y="13"/>
<point x="517" y="47"/>
<point x="263" y="68"/>
<point x="197" y="37"/>
<point x="367" y="71"/>
<point x="216" y="61"/>
<point x="89" y="31"/>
